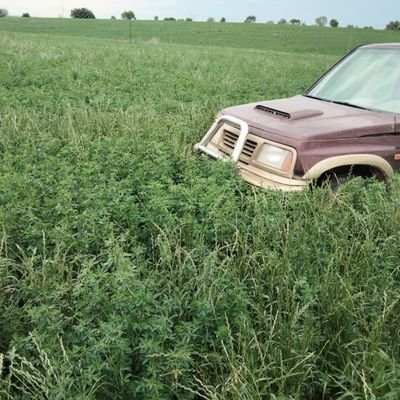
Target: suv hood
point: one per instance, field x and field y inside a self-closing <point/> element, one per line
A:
<point x="304" y="118"/>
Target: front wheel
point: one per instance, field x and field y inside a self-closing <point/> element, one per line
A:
<point x="335" y="181"/>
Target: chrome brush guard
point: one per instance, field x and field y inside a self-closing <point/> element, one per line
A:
<point x="244" y="130"/>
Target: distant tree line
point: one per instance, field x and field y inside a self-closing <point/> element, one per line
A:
<point x="84" y="13"/>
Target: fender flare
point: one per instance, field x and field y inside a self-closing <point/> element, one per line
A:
<point x="347" y="160"/>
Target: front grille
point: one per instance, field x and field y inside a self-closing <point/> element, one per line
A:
<point x="230" y="139"/>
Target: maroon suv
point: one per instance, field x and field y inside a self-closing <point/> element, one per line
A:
<point x="347" y="124"/>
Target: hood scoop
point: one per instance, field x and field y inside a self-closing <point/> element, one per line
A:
<point x="300" y="114"/>
<point x="272" y="111"/>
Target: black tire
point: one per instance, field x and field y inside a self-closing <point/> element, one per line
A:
<point x="335" y="181"/>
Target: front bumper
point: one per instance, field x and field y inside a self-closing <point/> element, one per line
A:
<point x="250" y="173"/>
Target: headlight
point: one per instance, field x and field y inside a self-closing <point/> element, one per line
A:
<point x="275" y="157"/>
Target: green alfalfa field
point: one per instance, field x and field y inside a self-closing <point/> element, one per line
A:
<point x="131" y="268"/>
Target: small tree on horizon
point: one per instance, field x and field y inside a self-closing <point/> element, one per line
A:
<point x="282" y="21"/>
<point x="295" y="21"/>
<point x="25" y="15"/>
<point x="250" y="19"/>
<point x="3" y="12"/>
<point x="393" y="26"/>
<point x="334" y="23"/>
<point x="321" y="21"/>
<point x="223" y="19"/>
<point x="128" y="14"/>
<point x="82" y="13"/>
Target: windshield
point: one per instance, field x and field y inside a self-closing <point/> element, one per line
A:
<point x="368" y="78"/>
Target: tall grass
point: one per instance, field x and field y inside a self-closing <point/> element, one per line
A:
<point x="131" y="268"/>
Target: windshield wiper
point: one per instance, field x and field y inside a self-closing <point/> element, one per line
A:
<point x="345" y="103"/>
<point x="314" y="97"/>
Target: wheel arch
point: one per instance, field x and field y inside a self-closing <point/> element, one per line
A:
<point x="363" y="164"/>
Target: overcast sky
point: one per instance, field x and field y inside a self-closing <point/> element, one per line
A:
<point x="356" y="12"/>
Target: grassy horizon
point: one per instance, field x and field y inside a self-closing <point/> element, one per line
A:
<point x="286" y="38"/>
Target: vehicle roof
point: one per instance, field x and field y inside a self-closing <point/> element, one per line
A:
<point x="382" y="46"/>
